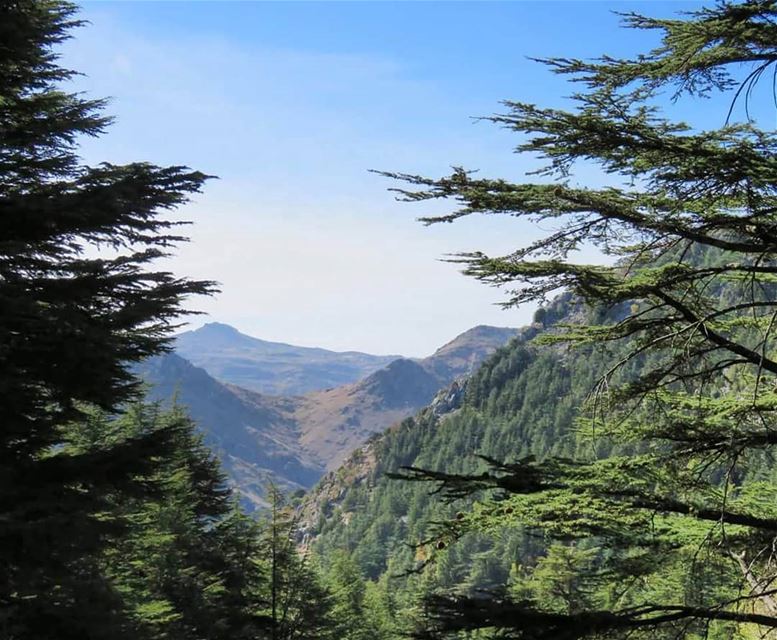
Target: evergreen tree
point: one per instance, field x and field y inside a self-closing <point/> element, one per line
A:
<point x="685" y="411"/>
<point x="348" y="590"/>
<point x="186" y="562"/>
<point x="381" y="610"/>
<point x="72" y="322"/>
<point x="298" y="605"/>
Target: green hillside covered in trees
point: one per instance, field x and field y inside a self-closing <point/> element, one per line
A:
<point x="612" y="477"/>
<point x="608" y="474"/>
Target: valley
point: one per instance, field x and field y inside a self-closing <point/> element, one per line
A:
<point x="605" y="472"/>
<point x="293" y="440"/>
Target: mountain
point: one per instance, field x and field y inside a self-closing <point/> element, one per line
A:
<point x="294" y="440"/>
<point x="464" y="354"/>
<point x="335" y="422"/>
<point x="521" y="401"/>
<point x="272" y="368"/>
<point x="255" y="437"/>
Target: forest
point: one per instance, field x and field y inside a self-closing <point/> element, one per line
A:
<point x="609" y="473"/>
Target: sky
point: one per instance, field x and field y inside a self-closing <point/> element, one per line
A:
<point x="291" y="104"/>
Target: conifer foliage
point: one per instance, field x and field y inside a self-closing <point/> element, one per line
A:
<point x="662" y="499"/>
<point x="298" y="605"/>
<point x="80" y="301"/>
<point x="115" y="519"/>
<point x="183" y="561"/>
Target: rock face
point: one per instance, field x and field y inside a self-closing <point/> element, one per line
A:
<point x="449" y="399"/>
<point x="272" y="368"/>
<point x="294" y="440"/>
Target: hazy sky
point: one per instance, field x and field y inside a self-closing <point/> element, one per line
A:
<point x="291" y="104"/>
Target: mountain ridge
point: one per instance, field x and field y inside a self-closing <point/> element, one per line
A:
<point x="256" y="441"/>
<point x="304" y="436"/>
<point x="272" y="368"/>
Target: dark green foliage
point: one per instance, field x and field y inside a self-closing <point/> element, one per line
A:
<point x="626" y="438"/>
<point x="185" y="561"/>
<point x="348" y="588"/>
<point x="297" y="605"/>
<point x="686" y="313"/>
<point x="71" y="325"/>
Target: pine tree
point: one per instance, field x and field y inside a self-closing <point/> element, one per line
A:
<point x="348" y="591"/>
<point x="186" y="562"/>
<point x="686" y="315"/>
<point x="382" y="616"/>
<point x="72" y="322"/>
<point x="297" y="603"/>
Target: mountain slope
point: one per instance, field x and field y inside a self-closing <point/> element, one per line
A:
<point x="294" y="440"/>
<point x="255" y="437"/>
<point x="272" y="368"/>
<point x="335" y="422"/>
<point x="522" y="401"/>
<point x="464" y="354"/>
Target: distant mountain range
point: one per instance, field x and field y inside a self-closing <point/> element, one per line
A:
<point x="255" y="437"/>
<point x="335" y="422"/>
<point x="272" y="368"/>
<point x="293" y="440"/>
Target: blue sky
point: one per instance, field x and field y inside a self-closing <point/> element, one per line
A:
<point x="291" y="104"/>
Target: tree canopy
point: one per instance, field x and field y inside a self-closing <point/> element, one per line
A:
<point x="666" y="493"/>
<point x="81" y="300"/>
